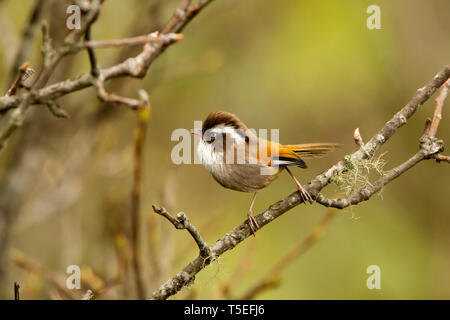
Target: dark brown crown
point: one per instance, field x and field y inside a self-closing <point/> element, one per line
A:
<point x="221" y="117"/>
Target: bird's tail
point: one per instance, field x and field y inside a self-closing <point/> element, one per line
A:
<point x="293" y="155"/>
<point x="312" y="150"/>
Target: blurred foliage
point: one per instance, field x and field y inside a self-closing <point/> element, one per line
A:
<point x="310" y="68"/>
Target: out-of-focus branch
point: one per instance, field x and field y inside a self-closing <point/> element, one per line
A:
<point x="133" y="41"/>
<point x="91" y="54"/>
<point x="32" y="266"/>
<point x="182" y="222"/>
<point x="272" y="277"/>
<point x="27" y="37"/>
<point x="24" y="71"/>
<point x="131" y="67"/>
<point x="241" y="232"/>
<point x="51" y="58"/>
<point x="16" y="291"/>
<point x="141" y="130"/>
<point x="105" y="96"/>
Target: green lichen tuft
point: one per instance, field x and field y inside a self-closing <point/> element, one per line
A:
<point x="358" y="174"/>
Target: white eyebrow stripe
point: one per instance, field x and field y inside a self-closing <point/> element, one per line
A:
<point x="235" y="134"/>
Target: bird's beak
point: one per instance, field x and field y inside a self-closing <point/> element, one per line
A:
<point x="196" y="132"/>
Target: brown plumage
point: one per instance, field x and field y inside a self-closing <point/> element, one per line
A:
<point x="239" y="160"/>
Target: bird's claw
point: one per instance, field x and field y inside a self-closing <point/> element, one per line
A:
<point x="252" y="223"/>
<point x="305" y="195"/>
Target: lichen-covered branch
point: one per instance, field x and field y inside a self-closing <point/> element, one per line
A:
<point x="428" y="147"/>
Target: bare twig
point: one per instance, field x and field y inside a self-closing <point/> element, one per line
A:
<point x="32" y="266"/>
<point x="105" y="96"/>
<point x="51" y="58"/>
<point x="27" y="37"/>
<point x="131" y="67"/>
<point x="141" y="130"/>
<point x="133" y="41"/>
<point x="91" y="54"/>
<point x="182" y="222"/>
<point x="241" y="232"/>
<point x="433" y="125"/>
<point x="438" y="110"/>
<point x="441" y="158"/>
<point x="358" y="139"/>
<point x="16" y="291"/>
<point x="56" y="110"/>
<point x="24" y="71"/>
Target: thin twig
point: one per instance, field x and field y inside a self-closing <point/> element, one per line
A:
<point x="16" y="291"/>
<point x="105" y="96"/>
<point x="133" y="41"/>
<point x="23" y="71"/>
<point x="51" y="59"/>
<point x="441" y="158"/>
<point x="56" y="110"/>
<point x="131" y="67"/>
<point x="27" y="36"/>
<point x="358" y="139"/>
<point x="438" y="110"/>
<point x="141" y="130"/>
<point x="91" y="54"/>
<point x="34" y="267"/>
<point x="182" y="222"/>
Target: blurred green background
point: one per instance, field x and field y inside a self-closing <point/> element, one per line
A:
<point x="311" y="69"/>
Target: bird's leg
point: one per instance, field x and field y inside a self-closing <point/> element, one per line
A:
<point x="303" y="193"/>
<point x="251" y="218"/>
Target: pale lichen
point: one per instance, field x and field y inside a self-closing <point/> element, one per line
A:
<point x="358" y="174"/>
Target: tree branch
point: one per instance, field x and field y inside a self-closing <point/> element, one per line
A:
<point x="182" y="222"/>
<point x="141" y="130"/>
<point x="241" y="232"/>
<point x="32" y="266"/>
<point x="16" y="291"/>
<point x="132" y="67"/>
<point x="27" y="36"/>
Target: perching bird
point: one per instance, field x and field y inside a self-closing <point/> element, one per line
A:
<point x="239" y="160"/>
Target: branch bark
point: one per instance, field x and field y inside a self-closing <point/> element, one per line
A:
<point x="141" y="130"/>
<point x="182" y="222"/>
<point x="136" y="67"/>
<point x="242" y="231"/>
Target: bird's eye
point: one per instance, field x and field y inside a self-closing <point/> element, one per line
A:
<point x="210" y="138"/>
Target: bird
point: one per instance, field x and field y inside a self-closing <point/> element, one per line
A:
<point x="240" y="160"/>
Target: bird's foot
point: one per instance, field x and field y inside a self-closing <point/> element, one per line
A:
<point x="305" y="195"/>
<point x="252" y="223"/>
